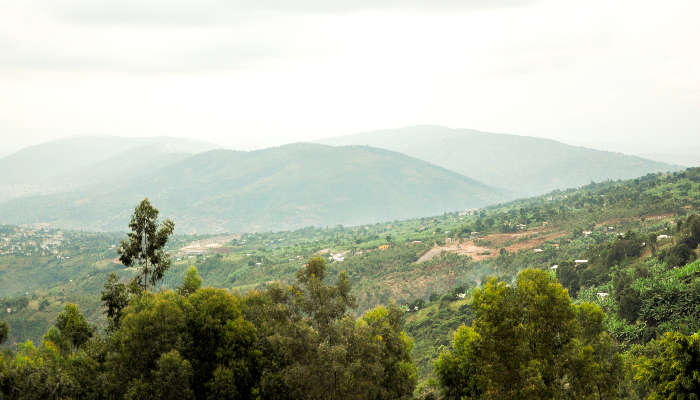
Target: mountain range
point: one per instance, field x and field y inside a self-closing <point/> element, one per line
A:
<point x="286" y="187"/>
<point x="522" y="165"/>
<point x="93" y="183"/>
<point x="63" y="165"/>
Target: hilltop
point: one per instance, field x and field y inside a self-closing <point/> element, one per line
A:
<point x="287" y="187"/>
<point x="523" y="165"/>
<point x="67" y="164"/>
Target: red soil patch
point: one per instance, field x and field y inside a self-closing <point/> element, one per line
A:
<point x="467" y="248"/>
<point x="489" y="245"/>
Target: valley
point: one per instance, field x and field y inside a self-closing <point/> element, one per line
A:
<point x="595" y="240"/>
<point x="418" y="263"/>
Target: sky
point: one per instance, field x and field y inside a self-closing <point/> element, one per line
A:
<point x="618" y="75"/>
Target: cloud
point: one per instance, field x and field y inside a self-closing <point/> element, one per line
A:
<point x="34" y="41"/>
<point x="190" y="36"/>
<point x="155" y="53"/>
<point x="208" y="12"/>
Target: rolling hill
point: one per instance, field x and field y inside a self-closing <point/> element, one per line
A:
<point x="286" y="187"/>
<point x="523" y="165"/>
<point x="63" y="165"/>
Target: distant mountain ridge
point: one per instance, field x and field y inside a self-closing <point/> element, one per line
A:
<point x="285" y="187"/>
<point x="523" y="165"/>
<point x="66" y="164"/>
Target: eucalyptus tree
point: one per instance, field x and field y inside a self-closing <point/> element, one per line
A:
<point x="145" y="245"/>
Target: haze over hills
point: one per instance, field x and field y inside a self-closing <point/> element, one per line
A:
<point x="286" y="187"/>
<point x="92" y="183"/>
<point x="67" y="164"/>
<point x="689" y="157"/>
<point x="521" y="164"/>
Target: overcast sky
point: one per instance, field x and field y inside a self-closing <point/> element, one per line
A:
<point x="254" y="73"/>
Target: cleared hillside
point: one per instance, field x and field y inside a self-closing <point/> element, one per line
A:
<point x="279" y="188"/>
<point x="523" y="165"/>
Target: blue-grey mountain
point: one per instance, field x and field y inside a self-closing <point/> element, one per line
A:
<point x="523" y="165"/>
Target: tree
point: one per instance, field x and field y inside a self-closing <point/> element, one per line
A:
<point x="72" y="329"/>
<point x="322" y="303"/>
<point x="386" y="362"/>
<point x="172" y="379"/>
<point x="690" y="231"/>
<point x="528" y="341"/>
<point x="200" y="340"/>
<point x="145" y="245"/>
<point x="314" y="349"/>
<point x="191" y="283"/>
<point x="3" y="332"/>
<point x="626" y="296"/>
<point x="115" y="297"/>
<point x="152" y="324"/>
<point x="672" y="372"/>
<point x="652" y="239"/>
<point x="38" y="373"/>
<point x="679" y="255"/>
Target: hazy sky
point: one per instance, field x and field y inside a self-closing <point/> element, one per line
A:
<point x="254" y="73"/>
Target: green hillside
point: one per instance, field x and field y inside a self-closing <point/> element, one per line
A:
<point x="523" y="165"/>
<point x="280" y="188"/>
<point x="381" y="259"/>
<point x="639" y="238"/>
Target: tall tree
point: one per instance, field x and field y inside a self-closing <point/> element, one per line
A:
<point x="115" y="297"/>
<point x="145" y="245"/>
<point x="529" y="342"/>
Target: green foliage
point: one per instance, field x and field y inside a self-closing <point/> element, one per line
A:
<point x="3" y="331"/>
<point x="681" y="253"/>
<point x="297" y="341"/>
<point x="670" y="299"/>
<point x="167" y="336"/>
<point x="145" y="245"/>
<point x="662" y="297"/>
<point x="115" y="297"/>
<point x="689" y="231"/>
<point x="671" y="372"/>
<point x="678" y="255"/>
<point x="171" y="380"/>
<point x="72" y="330"/>
<point x="317" y="350"/>
<point x="191" y="283"/>
<point x="529" y="341"/>
<point x="36" y="373"/>
<point x="627" y="297"/>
